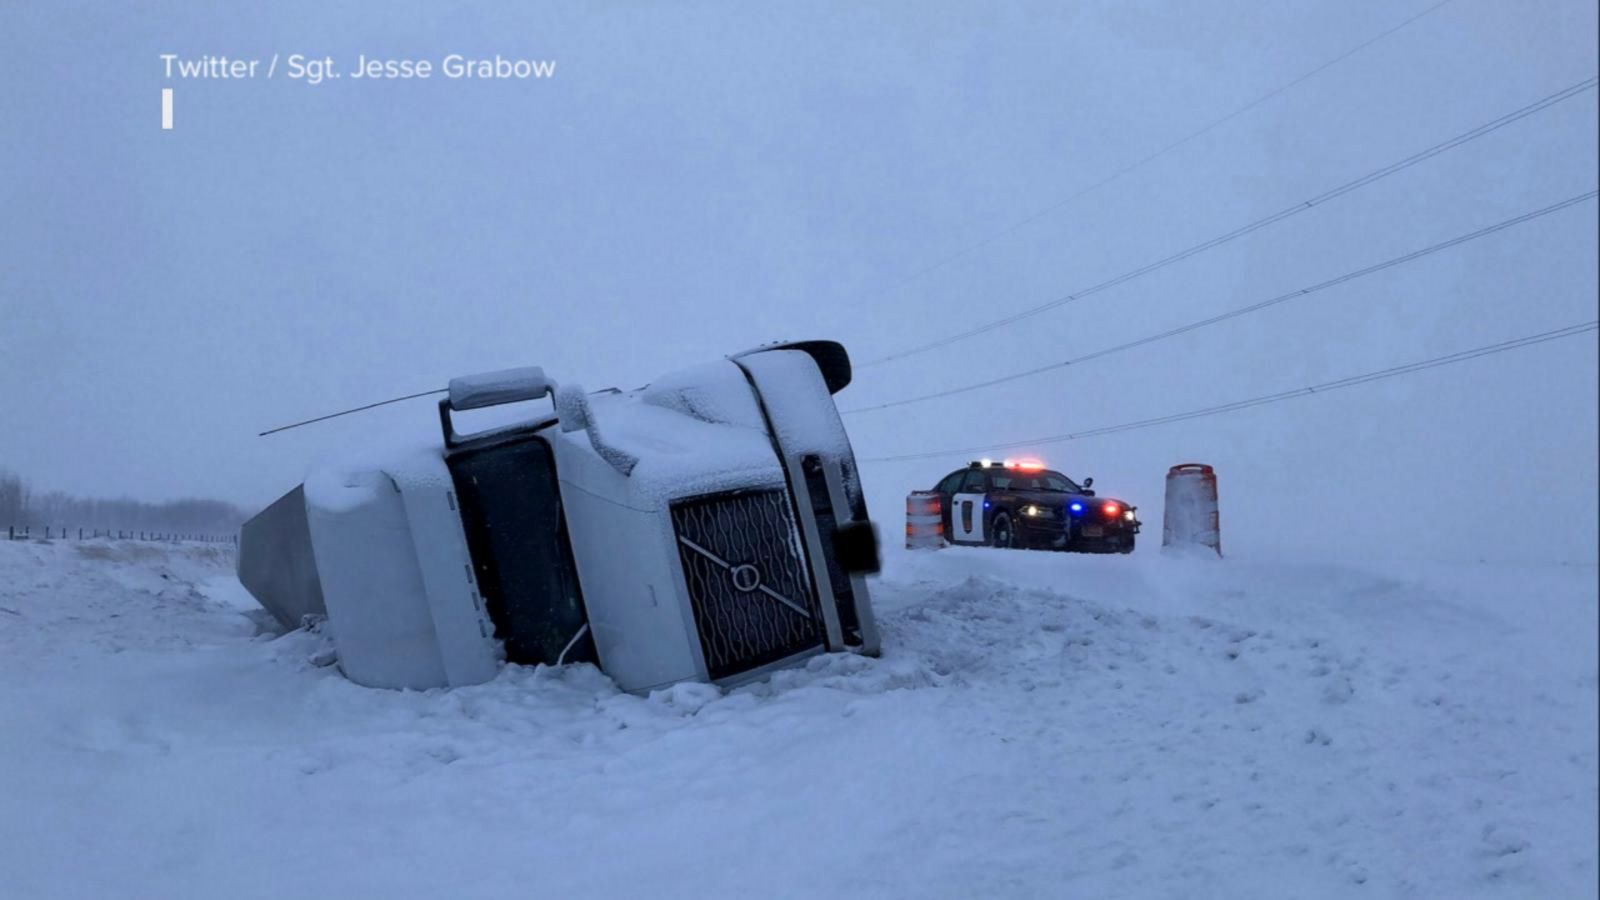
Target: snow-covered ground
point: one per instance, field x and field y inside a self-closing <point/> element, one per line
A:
<point x="1038" y="726"/>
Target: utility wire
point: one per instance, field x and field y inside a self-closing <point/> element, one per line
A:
<point x="1346" y="188"/>
<point x="1241" y="311"/>
<point x="1351" y="381"/>
<point x="1204" y="130"/>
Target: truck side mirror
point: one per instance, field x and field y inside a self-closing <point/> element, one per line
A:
<point x="572" y="408"/>
<point x="489" y="389"/>
<point x="496" y="388"/>
<point x="575" y="414"/>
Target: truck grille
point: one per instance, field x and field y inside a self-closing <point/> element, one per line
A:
<point x="752" y="600"/>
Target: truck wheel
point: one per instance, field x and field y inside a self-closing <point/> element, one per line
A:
<point x="1003" y="535"/>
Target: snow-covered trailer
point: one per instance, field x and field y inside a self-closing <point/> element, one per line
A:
<point x="710" y="526"/>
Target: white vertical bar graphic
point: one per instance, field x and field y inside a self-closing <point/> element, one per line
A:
<point x="166" y="109"/>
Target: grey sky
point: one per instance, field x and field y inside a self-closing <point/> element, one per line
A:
<point x="701" y="177"/>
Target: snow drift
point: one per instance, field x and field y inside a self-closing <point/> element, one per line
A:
<point x="1038" y="725"/>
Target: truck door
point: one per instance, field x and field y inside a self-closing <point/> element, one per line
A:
<point x="966" y="509"/>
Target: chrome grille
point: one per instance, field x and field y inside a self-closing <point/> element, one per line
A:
<point x="752" y="599"/>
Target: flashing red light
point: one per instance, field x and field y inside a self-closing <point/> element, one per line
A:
<point x="1026" y="465"/>
<point x="1112" y="510"/>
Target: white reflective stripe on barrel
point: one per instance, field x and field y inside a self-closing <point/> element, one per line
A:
<point x="1190" y="516"/>
<point x="924" y="524"/>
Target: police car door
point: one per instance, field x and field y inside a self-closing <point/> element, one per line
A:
<point x="966" y="508"/>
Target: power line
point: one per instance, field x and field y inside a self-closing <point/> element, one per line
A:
<point x="1346" y="188"/>
<point x="1241" y="311"/>
<point x="1202" y="131"/>
<point x="1351" y="381"/>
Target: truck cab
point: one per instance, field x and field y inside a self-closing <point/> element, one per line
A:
<point x="709" y="526"/>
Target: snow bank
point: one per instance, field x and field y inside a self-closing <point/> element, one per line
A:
<point x="1039" y="725"/>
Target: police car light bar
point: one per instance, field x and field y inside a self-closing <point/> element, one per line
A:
<point x="1026" y="465"/>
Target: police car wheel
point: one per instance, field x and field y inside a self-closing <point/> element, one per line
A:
<point x="1004" y="536"/>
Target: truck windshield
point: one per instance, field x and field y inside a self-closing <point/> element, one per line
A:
<point x="521" y="558"/>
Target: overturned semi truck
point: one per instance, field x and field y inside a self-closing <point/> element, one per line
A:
<point x="709" y="526"/>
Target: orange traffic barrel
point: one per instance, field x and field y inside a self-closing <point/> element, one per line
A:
<point x="924" y="522"/>
<point x="1191" y="513"/>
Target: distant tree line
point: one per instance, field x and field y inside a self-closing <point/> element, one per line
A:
<point x="21" y="506"/>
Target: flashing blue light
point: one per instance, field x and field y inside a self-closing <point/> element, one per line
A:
<point x="985" y="504"/>
<point x="1077" y="509"/>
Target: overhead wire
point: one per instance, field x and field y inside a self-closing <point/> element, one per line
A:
<point x="1348" y="187"/>
<point x="1152" y="157"/>
<point x="1218" y="409"/>
<point x="1240" y="311"/>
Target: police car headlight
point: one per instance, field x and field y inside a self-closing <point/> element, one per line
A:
<point x="1037" y="512"/>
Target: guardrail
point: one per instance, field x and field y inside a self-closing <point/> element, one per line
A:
<point x="63" y="533"/>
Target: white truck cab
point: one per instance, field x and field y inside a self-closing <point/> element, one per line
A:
<point x="710" y="526"/>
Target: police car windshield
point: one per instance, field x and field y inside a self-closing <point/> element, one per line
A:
<point x="1036" y="481"/>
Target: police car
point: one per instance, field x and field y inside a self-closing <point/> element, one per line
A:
<point x="1020" y="503"/>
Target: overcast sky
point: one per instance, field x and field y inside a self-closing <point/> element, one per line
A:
<point x="701" y="177"/>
